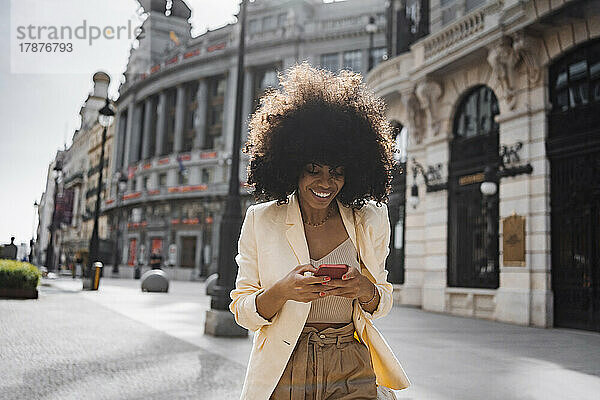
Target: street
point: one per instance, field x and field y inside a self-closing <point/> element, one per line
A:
<point x="120" y="343"/>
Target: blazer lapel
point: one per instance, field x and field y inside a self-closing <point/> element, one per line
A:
<point x="295" y="231"/>
<point x="348" y="219"/>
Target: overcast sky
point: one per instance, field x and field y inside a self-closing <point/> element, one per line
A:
<point x="39" y="112"/>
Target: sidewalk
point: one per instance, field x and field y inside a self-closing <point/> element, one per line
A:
<point x="120" y="343"/>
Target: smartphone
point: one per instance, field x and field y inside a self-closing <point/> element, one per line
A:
<point x="334" y="271"/>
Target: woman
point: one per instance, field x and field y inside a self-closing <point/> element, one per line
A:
<point x="320" y="153"/>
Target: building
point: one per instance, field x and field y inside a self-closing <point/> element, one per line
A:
<point x="47" y="243"/>
<point x="80" y="180"/>
<point x="66" y="209"/>
<point x="176" y="109"/>
<point x="513" y="86"/>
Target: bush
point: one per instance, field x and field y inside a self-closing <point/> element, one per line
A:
<point x="18" y="275"/>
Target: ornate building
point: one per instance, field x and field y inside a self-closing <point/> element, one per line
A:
<point x="513" y="86"/>
<point x="176" y="110"/>
<point x="73" y="212"/>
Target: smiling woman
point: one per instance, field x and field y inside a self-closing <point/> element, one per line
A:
<point x="311" y="259"/>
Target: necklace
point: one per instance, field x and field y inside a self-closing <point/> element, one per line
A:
<point x="322" y="222"/>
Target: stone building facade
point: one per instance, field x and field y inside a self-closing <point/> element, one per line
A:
<point x="508" y="85"/>
<point x="78" y="183"/>
<point x="176" y="108"/>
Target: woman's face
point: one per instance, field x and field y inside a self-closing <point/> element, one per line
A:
<point x="319" y="184"/>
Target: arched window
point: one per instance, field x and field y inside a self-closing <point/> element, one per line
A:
<point x="476" y="114"/>
<point x="575" y="91"/>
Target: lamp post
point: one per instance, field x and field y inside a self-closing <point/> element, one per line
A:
<point x="371" y="28"/>
<point x="219" y="321"/>
<point x="488" y="189"/>
<point x="31" y="242"/>
<point x="105" y="117"/>
<point x="121" y="186"/>
<point x="50" y="247"/>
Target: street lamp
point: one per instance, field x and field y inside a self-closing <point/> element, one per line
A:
<point x="371" y="28"/>
<point x="105" y="117"/>
<point x="489" y="187"/>
<point x="219" y="321"/>
<point x="31" y="242"/>
<point x="50" y="249"/>
<point x="121" y="186"/>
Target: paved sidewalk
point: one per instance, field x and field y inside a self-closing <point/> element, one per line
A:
<point x="120" y="343"/>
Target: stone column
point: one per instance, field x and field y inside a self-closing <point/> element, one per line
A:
<point x="128" y="133"/>
<point x="200" y="117"/>
<point x="146" y="135"/>
<point x="136" y="133"/>
<point x="229" y="110"/>
<point x="116" y="156"/>
<point x="179" y="119"/>
<point x="161" y="109"/>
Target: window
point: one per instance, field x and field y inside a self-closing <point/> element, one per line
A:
<point x="254" y="26"/>
<point x="191" y="110"/>
<point x="141" y="110"/>
<point x="183" y="178"/>
<point x="171" y="108"/>
<point x="153" y="124"/>
<point x="207" y="175"/>
<point x="378" y="55"/>
<point x="264" y="78"/>
<point x="330" y="62"/>
<point x="145" y="183"/>
<point x="449" y="9"/>
<point x="269" y="23"/>
<point x="216" y="100"/>
<point x="281" y="19"/>
<point x="473" y="4"/>
<point x="353" y="60"/>
<point x="476" y="114"/>
<point x="162" y="180"/>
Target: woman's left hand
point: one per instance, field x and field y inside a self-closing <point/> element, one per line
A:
<point x="352" y="285"/>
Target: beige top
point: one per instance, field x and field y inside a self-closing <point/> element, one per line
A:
<point x="334" y="309"/>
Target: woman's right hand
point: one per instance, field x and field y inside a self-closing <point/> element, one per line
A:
<point x="296" y="286"/>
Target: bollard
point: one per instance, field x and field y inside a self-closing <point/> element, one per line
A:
<point x="155" y="280"/>
<point x="97" y="272"/>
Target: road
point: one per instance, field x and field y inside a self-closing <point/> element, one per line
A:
<point x="120" y="343"/>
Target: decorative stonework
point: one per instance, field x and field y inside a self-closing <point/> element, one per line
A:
<point x="503" y="60"/>
<point x="428" y="93"/>
<point x="507" y="56"/>
<point x="526" y="47"/>
<point x="457" y="33"/>
<point x="415" y="116"/>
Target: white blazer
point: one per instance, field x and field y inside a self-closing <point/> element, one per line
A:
<point x="271" y="244"/>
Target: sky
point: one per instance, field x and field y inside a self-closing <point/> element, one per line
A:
<point x="40" y="112"/>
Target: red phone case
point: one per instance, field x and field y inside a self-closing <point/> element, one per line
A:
<point x="334" y="271"/>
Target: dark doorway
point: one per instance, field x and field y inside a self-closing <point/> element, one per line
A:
<point x="396" y="207"/>
<point x="473" y="147"/>
<point x="188" y="251"/>
<point x="573" y="148"/>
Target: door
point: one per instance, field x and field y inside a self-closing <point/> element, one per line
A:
<point x="188" y="251"/>
<point x="573" y="148"/>
<point x="132" y="252"/>
<point x="474" y="146"/>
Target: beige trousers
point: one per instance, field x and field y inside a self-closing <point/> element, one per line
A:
<point x="326" y="365"/>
